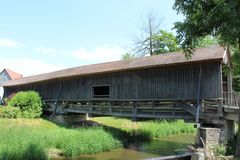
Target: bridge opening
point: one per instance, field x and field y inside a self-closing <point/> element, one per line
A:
<point x="100" y="91"/>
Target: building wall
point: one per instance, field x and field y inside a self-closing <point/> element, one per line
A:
<point x="176" y="82"/>
<point x="4" y="77"/>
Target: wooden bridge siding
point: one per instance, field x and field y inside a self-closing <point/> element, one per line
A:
<point x="211" y="80"/>
<point x="178" y="82"/>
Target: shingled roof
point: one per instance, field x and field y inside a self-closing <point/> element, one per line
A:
<point x="201" y="54"/>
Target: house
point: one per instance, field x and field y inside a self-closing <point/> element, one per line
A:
<point x="7" y="75"/>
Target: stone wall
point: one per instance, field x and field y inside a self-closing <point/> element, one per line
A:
<point x="209" y="136"/>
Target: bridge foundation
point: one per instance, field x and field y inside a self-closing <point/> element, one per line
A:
<point x="210" y="135"/>
<point x="227" y="131"/>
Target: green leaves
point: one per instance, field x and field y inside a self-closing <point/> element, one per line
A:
<point x="9" y="112"/>
<point x="29" y="102"/>
<point x="164" y="42"/>
<point x="219" y="18"/>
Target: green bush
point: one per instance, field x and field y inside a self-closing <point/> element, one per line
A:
<point x="219" y="150"/>
<point x="29" y="102"/>
<point x="9" y="112"/>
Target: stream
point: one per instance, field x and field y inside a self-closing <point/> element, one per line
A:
<point x="140" y="150"/>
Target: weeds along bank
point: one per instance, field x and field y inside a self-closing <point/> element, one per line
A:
<point x="32" y="138"/>
<point x="146" y="129"/>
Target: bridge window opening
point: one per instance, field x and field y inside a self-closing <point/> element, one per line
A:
<point x="101" y="92"/>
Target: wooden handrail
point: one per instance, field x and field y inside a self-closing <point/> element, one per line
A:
<point x="231" y="99"/>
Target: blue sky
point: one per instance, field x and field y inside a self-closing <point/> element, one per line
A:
<point x="48" y="35"/>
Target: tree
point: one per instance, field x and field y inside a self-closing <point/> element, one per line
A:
<point x="207" y="41"/>
<point x="152" y="39"/>
<point x="127" y="56"/>
<point x="164" y="42"/>
<point x="236" y="70"/>
<point x="219" y="18"/>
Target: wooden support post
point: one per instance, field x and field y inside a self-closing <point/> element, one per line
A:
<point x="134" y="112"/>
<point x="58" y="95"/>
<point x="220" y="108"/>
<point x="198" y="94"/>
<point x="100" y="108"/>
<point x="121" y="107"/>
<point x="91" y="107"/>
<point x="110" y="107"/>
<point x="173" y="112"/>
<point x="153" y="106"/>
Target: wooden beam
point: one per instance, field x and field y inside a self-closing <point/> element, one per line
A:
<point x="187" y="107"/>
<point x="57" y="100"/>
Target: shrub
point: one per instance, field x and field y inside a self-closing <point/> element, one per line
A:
<point x="9" y="112"/>
<point x="219" y="150"/>
<point x="232" y="145"/>
<point x="29" y="103"/>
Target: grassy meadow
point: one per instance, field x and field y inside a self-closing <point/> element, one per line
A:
<point x="35" y="138"/>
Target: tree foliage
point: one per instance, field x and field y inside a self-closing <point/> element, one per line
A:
<point x="164" y="42"/>
<point x="236" y="69"/>
<point x="207" y="41"/>
<point x="219" y="18"/>
<point x="127" y="56"/>
<point x="152" y="40"/>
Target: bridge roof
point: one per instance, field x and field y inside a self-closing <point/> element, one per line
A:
<point x="213" y="53"/>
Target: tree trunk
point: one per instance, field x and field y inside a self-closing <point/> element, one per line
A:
<point x="237" y="152"/>
<point x="150" y="39"/>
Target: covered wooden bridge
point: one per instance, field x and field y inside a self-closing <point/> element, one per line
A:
<point x="161" y="86"/>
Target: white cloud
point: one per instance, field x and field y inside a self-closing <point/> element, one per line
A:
<point x="8" y="43"/>
<point x="101" y="54"/>
<point x="45" y="50"/>
<point x="28" y="66"/>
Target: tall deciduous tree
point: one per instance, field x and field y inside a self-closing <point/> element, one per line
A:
<point x="152" y="40"/>
<point x="219" y="18"/>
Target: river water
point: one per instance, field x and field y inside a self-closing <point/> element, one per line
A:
<point x="140" y="150"/>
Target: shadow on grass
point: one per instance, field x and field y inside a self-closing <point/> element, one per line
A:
<point x="124" y="136"/>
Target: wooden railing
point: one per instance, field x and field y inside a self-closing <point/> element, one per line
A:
<point x="231" y="99"/>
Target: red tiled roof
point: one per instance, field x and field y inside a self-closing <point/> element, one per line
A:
<point x="13" y="75"/>
<point x="200" y="54"/>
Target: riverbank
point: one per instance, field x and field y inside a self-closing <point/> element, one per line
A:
<point x="145" y="130"/>
<point x="34" y="138"/>
<point x="30" y="138"/>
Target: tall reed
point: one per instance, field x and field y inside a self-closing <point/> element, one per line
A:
<point x="32" y="139"/>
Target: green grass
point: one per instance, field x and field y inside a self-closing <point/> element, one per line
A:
<point x="147" y="129"/>
<point x="33" y="138"/>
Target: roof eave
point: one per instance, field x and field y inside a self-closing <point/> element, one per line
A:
<point x="113" y="71"/>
